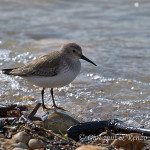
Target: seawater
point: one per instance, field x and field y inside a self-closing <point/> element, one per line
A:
<point x="114" y="34"/>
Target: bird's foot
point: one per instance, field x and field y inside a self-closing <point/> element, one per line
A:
<point x="46" y="110"/>
<point x="53" y="107"/>
<point x="44" y="107"/>
<point x="56" y="107"/>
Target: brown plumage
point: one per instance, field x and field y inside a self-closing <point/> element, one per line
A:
<point x="46" y="65"/>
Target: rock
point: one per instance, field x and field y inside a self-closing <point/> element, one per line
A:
<point x="6" y="143"/>
<point x="19" y="149"/>
<point x="21" y="137"/>
<point x="130" y="141"/>
<point x="35" y="144"/>
<point x="59" y="121"/>
<point x="91" y="147"/>
<point x="20" y="145"/>
<point x="1" y="148"/>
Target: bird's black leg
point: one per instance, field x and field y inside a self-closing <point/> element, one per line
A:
<point x="42" y="93"/>
<point x="54" y="104"/>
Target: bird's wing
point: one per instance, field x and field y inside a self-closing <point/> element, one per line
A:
<point x="46" y="65"/>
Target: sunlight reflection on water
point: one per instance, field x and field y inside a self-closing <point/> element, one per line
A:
<point x="114" y="35"/>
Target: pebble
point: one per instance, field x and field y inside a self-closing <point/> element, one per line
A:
<point x="91" y="147"/>
<point x="6" y="143"/>
<point x="20" y="149"/>
<point x="21" y="137"/>
<point x="59" y="121"/>
<point x="20" y="145"/>
<point x="35" y="144"/>
<point x="1" y="148"/>
<point x="130" y="141"/>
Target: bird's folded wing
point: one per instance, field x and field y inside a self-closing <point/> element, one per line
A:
<point x="46" y="65"/>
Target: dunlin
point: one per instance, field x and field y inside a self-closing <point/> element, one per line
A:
<point x="55" y="69"/>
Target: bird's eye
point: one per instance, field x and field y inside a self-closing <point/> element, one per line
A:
<point x="74" y="51"/>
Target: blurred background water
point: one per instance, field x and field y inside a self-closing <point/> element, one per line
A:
<point x="114" y="34"/>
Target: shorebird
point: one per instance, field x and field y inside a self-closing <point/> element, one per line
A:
<point x="53" y="70"/>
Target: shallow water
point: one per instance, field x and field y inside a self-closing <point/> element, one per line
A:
<point x="114" y="34"/>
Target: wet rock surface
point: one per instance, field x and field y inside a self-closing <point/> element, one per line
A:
<point x="59" y="121"/>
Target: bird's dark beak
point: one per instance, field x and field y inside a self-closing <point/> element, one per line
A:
<point x="84" y="58"/>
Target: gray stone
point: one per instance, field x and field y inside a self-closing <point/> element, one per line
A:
<point x="1" y="148"/>
<point x="35" y="144"/>
<point x="59" y="121"/>
<point x="20" y="149"/>
<point x="21" y="137"/>
<point x="20" y="145"/>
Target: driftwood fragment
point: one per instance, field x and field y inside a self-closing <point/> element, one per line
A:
<point x="33" y="112"/>
<point x="97" y="127"/>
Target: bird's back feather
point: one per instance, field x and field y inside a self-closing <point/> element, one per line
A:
<point x="46" y="65"/>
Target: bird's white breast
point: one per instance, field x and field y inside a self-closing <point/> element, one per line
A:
<point x="65" y="76"/>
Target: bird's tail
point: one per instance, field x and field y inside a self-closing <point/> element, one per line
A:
<point x="7" y="71"/>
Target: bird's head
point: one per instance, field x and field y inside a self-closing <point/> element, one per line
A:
<point x="74" y="51"/>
